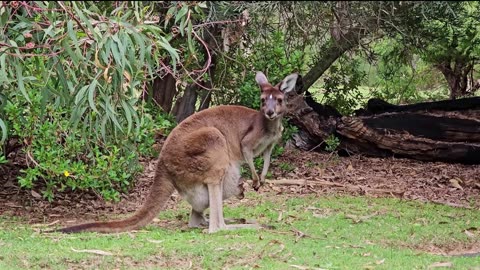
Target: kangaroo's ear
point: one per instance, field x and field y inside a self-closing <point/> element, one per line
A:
<point x="261" y="78"/>
<point x="288" y="83"/>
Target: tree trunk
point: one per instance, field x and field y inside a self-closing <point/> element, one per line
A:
<point x="163" y="92"/>
<point x="185" y="105"/>
<point x="457" y="77"/>
<point x="205" y="99"/>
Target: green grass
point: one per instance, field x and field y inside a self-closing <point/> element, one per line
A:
<point x="339" y="233"/>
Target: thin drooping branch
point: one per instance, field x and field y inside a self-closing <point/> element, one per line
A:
<point x="330" y="55"/>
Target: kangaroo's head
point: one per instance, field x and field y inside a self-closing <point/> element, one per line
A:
<point x="273" y="97"/>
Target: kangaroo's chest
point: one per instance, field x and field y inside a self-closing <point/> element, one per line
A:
<point x="266" y="141"/>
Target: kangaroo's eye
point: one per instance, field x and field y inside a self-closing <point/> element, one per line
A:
<point x="263" y="100"/>
<point x="279" y="101"/>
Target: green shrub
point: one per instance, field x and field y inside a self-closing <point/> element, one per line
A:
<point x="59" y="158"/>
<point x="332" y="143"/>
<point x="72" y="77"/>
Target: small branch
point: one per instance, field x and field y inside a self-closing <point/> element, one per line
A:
<point x="30" y="157"/>
<point x="303" y="182"/>
<point x="209" y="59"/>
<point x="76" y="20"/>
<point x="216" y="22"/>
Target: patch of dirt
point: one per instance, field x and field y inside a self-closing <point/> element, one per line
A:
<point x="295" y="173"/>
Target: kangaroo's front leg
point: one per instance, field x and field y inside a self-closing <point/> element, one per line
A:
<point x="248" y="156"/>
<point x="266" y="164"/>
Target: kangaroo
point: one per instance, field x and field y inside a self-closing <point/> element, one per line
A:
<point x="201" y="159"/>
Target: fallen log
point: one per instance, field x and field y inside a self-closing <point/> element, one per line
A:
<point x="447" y="131"/>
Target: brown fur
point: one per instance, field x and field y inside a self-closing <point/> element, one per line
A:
<point x="201" y="159"/>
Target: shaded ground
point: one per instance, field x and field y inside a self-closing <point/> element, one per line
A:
<point x="295" y="173"/>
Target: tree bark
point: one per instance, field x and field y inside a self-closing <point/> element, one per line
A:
<point x="456" y="76"/>
<point x="185" y="105"/>
<point x="163" y="92"/>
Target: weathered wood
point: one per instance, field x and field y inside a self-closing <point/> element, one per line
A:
<point x="185" y="105"/>
<point x="401" y="143"/>
<point x="376" y="106"/>
<point x="163" y="92"/>
<point x="446" y="131"/>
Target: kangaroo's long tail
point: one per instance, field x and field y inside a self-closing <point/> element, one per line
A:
<point x="160" y="192"/>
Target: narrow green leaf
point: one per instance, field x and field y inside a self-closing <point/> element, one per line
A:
<point x="139" y="42"/>
<point x="77" y="115"/>
<point x="111" y="113"/>
<point x="3" y="66"/>
<point x="128" y="114"/>
<point x="4" y="18"/>
<point x="103" y="127"/>
<point x="170" y="13"/>
<point x="182" y="26"/>
<point x="81" y="94"/>
<point x="181" y="13"/>
<point x="4" y="131"/>
<point x="43" y="101"/>
<point x="126" y="16"/>
<point x="72" y="34"/>
<point x="62" y="78"/>
<point x="21" y="85"/>
<point x="116" y="55"/>
<point x="14" y="44"/>
<point x="91" y="95"/>
<point x="82" y="16"/>
<point x="189" y="33"/>
<point x="48" y="32"/>
<point x="73" y="56"/>
<point x="164" y="43"/>
<point x="135" y="115"/>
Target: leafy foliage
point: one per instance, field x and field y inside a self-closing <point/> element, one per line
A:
<point x="443" y="34"/>
<point x="60" y="158"/>
<point x="401" y="77"/>
<point x="72" y="76"/>
<point x="341" y="85"/>
<point x="267" y="55"/>
<point x="332" y="143"/>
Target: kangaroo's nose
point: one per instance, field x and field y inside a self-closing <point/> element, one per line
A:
<point x="270" y="113"/>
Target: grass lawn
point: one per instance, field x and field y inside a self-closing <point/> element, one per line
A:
<point x="314" y="232"/>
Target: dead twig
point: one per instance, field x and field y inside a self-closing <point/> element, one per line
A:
<point x="303" y="182"/>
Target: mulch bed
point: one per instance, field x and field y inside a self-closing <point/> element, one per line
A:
<point x="295" y="173"/>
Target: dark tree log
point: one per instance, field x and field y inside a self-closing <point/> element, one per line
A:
<point x="375" y="106"/>
<point x="185" y="105"/>
<point x="163" y="92"/>
<point x="446" y="131"/>
<point x="401" y="143"/>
